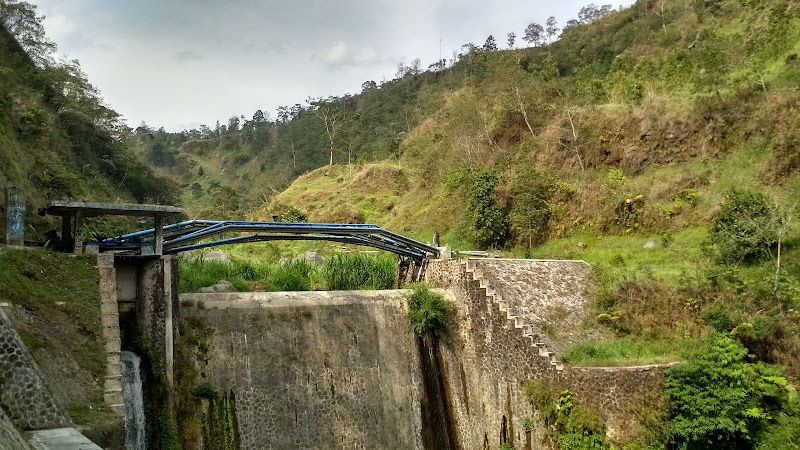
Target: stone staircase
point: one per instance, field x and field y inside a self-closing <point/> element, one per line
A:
<point x="472" y="269"/>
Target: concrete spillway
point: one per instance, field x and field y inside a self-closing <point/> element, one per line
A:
<point x="314" y="370"/>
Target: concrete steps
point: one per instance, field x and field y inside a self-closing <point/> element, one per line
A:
<point x="474" y="271"/>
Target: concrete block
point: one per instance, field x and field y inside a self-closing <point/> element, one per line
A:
<point x="109" y="308"/>
<point x="112" y="384"/>
<point x="109" y="320"/>
<point x="113" y="344"/>
<point x="113" y="398"/>
<point x="114" y="370"/>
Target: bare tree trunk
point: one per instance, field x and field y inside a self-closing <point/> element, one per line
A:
<point x="778" y="270"/>
<point x="492" y="144"/>
<point x="524" y="112"/>
<point x="761" y="80"/>
<point x="663" y="18"/>
<point x="575" y="146"/>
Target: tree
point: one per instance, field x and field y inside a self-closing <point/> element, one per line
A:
<point x="741" y="230"/>
<point x="20" y="19"/>
<point x="259" y="118"/>
<point x="512" y="38"/>
<point x="718" y="399"/>
<point x="330" y="114"/>
<point x="530" y="210"/>
<point x="534" y="34"/>
<point x="552" y="28"/>
<point x="368" y="86"/>
<point x="487" y="221"/>
<point x="233" y="124"/>
<point x="490" y="45"/>
<point x="591" y="12"/>
<point x="574" y="117"/>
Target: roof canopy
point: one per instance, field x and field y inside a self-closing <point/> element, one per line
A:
<point x="92" y="209"/>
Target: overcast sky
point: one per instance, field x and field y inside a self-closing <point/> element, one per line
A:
<point x="182" y="63"/>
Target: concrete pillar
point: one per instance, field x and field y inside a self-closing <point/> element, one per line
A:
<point x="158" y="240"/>
<point x="168" y="332"/>
<point x="15" y="216"/>
<point x="436" y="239"/>
<point x="109" y="310"/>
<point x="78" y="238"/>
<point x="66" y="228"/>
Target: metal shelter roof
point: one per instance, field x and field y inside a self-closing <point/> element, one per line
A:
<point x="93" y="209"/>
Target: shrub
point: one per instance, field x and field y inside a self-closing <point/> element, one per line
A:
<point x="716" y="398"/>
<point x="487" y="221"/>
<point x="205" y="390"/>
<point x="527" y="424"/>
<point x="294" y="215"/>
<point x="427" y="311"/>
<point x="741" y="230"/>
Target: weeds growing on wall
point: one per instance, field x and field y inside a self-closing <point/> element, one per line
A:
<point x="427" y="311"/>
<point x="570" y="424"/>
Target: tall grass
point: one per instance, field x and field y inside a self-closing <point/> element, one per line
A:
<point x="627" y="352"/>
<point x="339" y="272"/>
<point x="355" y="271"/>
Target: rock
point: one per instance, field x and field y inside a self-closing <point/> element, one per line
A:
<point x="650" y="245"/>
<point x="222" y="287"/>
<point x="581" y="245"/>
<point x="217" y="256"/>
<point x="312" y="257"/>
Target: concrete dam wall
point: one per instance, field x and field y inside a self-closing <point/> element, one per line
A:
<point x="324" y="370"/>
<point x="315" y="370"/>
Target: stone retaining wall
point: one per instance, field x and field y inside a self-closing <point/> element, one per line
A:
<point x="489" y="354"/>
<point x="23" y="393"/>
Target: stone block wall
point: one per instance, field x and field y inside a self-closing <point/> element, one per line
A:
<point x="314" y="370"/>
<point x="489" y="353"/>
<point x="24" y="395"/>
<point x="109" y="319"/>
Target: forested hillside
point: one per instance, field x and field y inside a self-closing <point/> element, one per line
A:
<point x="658" y="143"/>
<point x="58" y="140"/>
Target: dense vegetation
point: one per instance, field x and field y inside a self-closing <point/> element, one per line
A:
<point x="658" y="143"/>
<point x="58" y="140"/>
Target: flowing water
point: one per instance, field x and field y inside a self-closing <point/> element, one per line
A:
<point x="135" y="438"/>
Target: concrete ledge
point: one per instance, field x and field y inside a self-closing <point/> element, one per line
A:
<point x="250" y="300"/>
<point x="61" y="439"/>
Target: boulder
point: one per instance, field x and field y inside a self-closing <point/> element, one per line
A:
<point x="217" y="256"/>
<point x="650" y="245"/>
<point x="222" y="287"/>
<point x="312" y="257"/>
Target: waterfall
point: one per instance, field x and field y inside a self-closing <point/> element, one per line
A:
<point x="135" y="438"/>
<point x="416" y="406"/>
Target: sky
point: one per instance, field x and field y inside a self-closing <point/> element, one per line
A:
<point x="178" y="64"/>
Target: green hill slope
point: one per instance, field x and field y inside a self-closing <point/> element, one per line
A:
<point x="57" y="138"/>
<point x="633" y="129"/>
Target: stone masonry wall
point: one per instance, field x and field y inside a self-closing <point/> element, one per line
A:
<point x="314" y="370"/>
<point x="23" y="393"/>
<point x="489" y="353"/>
